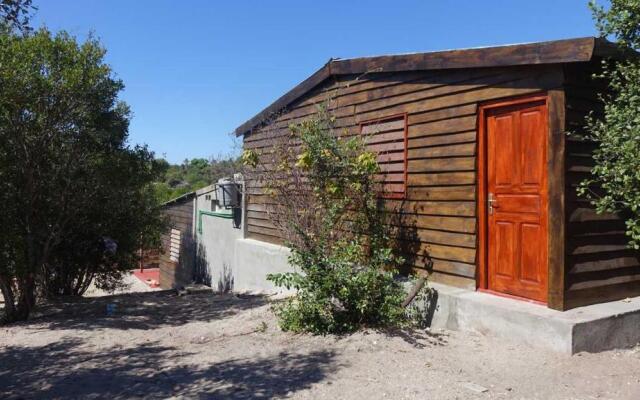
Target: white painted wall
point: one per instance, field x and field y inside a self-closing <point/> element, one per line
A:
<point x="254" y="260"/>
<point x="230" y="260"/>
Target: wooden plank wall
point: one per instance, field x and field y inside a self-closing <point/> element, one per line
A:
<point x="173" y="274"/>
<point x="599" y="266"/>
<point x="150" y="259"/>
<point x="439" y="223"/>
<point x="388" y="139"/>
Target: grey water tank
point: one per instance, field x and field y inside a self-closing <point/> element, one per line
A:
<point x="227" y="192"/>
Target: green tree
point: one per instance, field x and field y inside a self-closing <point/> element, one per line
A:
<point x="614" y="185"/>
<point x="78" y="198"/>
<point x="15" y="15"/>
<point x="194" y="174"/>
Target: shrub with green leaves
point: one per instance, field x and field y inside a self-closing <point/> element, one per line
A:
<point x="327" y="203"/>
<point x="614" y="185"/>
<point x="77" y="197"/>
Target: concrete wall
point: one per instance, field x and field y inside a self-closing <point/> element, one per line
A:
<point x="593" y="328"/>
<point x="225" y="259"/>
<point x="216" y="250"/>
<point x="254" y="260"/>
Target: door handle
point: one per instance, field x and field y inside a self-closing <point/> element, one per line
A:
<point x="492" y="203"/>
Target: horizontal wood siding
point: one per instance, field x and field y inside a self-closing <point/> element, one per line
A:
<point x="388" y="139"/>
<point x="150" y="259"/>
<point x="173" y="274"/>
<point x="599" y="266"/>
<point x="439" y="224"/>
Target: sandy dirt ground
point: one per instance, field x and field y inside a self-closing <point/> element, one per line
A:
<point x="130" y="284"/>
<point x="159" y="345"/>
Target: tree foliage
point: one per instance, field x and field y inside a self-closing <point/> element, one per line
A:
<point x="614" y="185"/>
<point x="194" y="174"/>
<point x="621" y="21"/>
<point x="79" y="200"/>
<point x="326" y="202"/>
<point x="15" y="15"/>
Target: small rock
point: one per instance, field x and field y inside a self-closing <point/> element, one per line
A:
<point x="200" y="340"/>
<point x="475" y="388"/>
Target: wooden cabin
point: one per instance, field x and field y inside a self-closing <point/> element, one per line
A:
<point x="475" y="144"/>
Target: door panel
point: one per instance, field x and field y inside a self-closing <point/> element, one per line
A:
<point x="505" y="238"/>
<point x="533" y="141"/>
<point x="505" y="171"/>
<point x="529" y="233"/>
<point x="517" y="192"/>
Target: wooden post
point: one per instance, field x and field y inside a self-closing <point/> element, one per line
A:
<point x="556" y="182"/>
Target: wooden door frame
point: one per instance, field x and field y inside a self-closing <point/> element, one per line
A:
<point x="554" y="104"/>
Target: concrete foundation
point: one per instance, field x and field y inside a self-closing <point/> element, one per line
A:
<point x="233" y="262"/>
<point x="225" y="259"/>
<point x="591" y="329"/>
<point x="254" y="260"/>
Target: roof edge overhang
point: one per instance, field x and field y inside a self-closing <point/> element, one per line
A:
<point x="552" y="52"/>
<point x="179" y="199"/>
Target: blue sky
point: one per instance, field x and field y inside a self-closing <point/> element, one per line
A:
<point x="194" y="70"/>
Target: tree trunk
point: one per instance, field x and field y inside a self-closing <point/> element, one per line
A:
<point x="414" y="291"/>
<point x="19" y="298"/>
<point x="85" y="284"/>
<point x="27" y="298"/>
<point x="9" y="300"/>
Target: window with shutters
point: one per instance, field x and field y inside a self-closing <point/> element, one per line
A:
<point x="387" y="137"/>
<point x="174" y="250"/>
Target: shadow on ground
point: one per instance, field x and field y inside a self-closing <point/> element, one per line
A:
<point x="146" y="310"/>
<point x="71" y="369"/>
<point x="419" y="338"/>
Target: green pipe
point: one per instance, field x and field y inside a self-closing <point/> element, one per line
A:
<point x="211" y="214"/>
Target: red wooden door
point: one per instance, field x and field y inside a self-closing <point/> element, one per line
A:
<point x="517" y="200"/>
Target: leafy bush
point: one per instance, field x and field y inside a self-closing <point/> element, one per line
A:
<point x="77" y="197"/>
<point x="192" y="175"/>
<point x="614" y="185"/>
<point x="338" y="295"/>
<point x="328" y="206"/>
